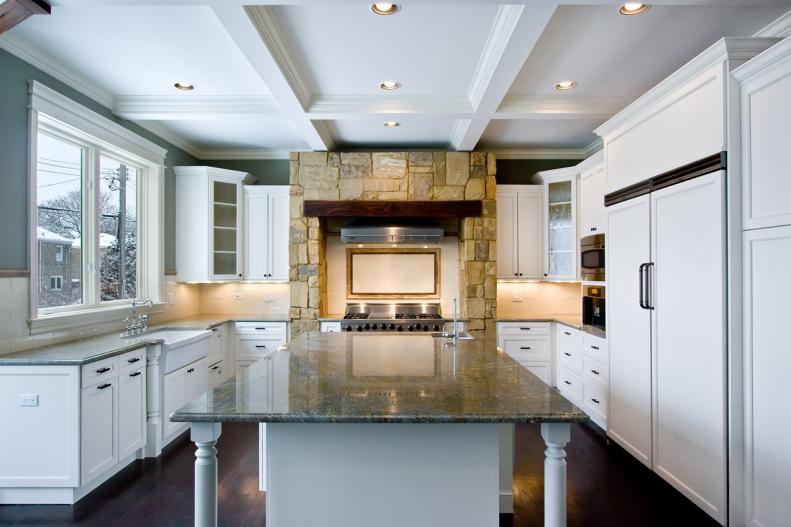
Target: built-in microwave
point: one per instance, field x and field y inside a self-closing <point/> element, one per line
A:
<point x="592" y="258"/>
<point x="593" y="308"/>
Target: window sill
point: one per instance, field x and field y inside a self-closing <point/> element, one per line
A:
<point x="81" y="319"/>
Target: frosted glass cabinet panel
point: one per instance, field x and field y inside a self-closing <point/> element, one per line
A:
<point x="561" y="224"/>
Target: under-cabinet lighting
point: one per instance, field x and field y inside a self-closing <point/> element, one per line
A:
<point x="633" y="8"/>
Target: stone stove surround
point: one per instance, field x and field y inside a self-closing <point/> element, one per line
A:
<point x="393" y="176"/>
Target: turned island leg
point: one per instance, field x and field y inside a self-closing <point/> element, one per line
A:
<point x="555" y="435"/>
<point x="205" y="436"/>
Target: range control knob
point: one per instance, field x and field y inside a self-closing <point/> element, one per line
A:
<point x="367" y="326"/>
<point x="348" y="327"/>
<point x="436" y="327"/>
<point x="400" y="328"/>
<point x="411" y="327"/>
<point x="425" y="327"/>
<point x="392" y="326"/>
<point x="382" y="326"/>
<point x="359" y="328"/>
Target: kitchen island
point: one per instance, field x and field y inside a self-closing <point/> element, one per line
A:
<point x="383" y="430"/>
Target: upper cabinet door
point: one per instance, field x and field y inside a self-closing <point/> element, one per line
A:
<point x="225" y="236"/>
<point x="766" y="136"/>
<point x="530" y="227"/>
<point x="589" y="215"/>
<point x="279" y="215"/>
<point x="507" y="239"/>
<point x="561" y="229"/>
<point x="256" y="234"/>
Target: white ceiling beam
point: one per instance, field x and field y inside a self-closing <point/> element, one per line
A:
<point x="242" y="153"/>
<point x="158" y="108"/>
<point x="359" y="106"/>
<point x="561" y="107"/>
<point x="515" y="31"/>
<point x="538" y="153"/>
<point x="260" y="38"/>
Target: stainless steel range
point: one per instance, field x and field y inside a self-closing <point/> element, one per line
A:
<point x="386" y="318"/>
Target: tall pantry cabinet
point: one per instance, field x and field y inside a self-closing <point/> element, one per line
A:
<point x="765" y="92"/>
<point x="668" y="257"/>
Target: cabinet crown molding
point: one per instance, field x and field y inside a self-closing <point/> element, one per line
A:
<point x="777" y="54"/>
<point x="244" y="177"/>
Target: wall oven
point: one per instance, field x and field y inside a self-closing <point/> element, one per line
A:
<point x="594" y="309"/>
<point x="592" y="258"/>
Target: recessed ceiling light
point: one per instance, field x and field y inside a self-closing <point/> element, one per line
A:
<point x="391" y="124"/>
<point x="633" y="8"/>
<point x="383" y="8"/>
<point x="565" y="85"/>
<point x="389" y="85"/>
<point x="186" y="86"/>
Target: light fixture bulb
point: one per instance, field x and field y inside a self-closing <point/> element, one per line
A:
<point x="565" y="85"/>
<point x="384" y="8"/>
<point x="391" y="124"/>
<point x="184" y="86"/>
<point x="633" y="8"/>
<point x="389" y="85"/>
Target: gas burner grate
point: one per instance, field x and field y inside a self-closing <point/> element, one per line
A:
<point x="355" y="316"/>
<point x="422" y="316"/>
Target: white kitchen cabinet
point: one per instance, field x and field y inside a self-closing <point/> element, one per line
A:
<point x="529" y="344"/>
<point x="256" y="340"/>
<point x="560" y="223"/>
<point x="98" y="429"/>
<point x="178" y="388"/>
<point x="216" y="345"/>
<point x="520" y="231"/>
<point x="216" y="374"/>
<point x="131" y="411"/>
<point x="593" y="215"/>
<point x="767" y="259"/>
<point x="266" y="224"/>
<point x="209" y="223"/>
<point x="765" y="87"/>
<point x="330" y="327"/>
<point x="582" y="371"/>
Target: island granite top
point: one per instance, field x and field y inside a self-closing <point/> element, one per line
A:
<point x="374" y="378"/>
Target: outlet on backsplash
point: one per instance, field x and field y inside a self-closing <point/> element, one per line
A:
<point x="538" y="299"/>
<point x="238" y="296"/>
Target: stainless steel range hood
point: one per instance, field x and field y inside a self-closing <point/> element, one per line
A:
<point x="384" y="230"/>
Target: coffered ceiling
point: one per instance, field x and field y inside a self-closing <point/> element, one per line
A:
<point x="305" y="74"/>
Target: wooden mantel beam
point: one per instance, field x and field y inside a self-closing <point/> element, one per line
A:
<point x="393" y="209"/>
<point x="13" y="12"/>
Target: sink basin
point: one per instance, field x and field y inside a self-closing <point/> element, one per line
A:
<point x="182" y="347"/>
<point x="463" y="335"/>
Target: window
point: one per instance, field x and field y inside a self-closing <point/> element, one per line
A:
<point x="97" y="213"/>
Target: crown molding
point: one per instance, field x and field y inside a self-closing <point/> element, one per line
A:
<point x="561" y="106"/>
<point x="176" y="140"/>
<point x="156" y="108"/>
<point x="265" y="22"/>
<point x="332" y="106"/>
<point x="595" y="147"/>
<point x="779" y="53"/>
<point x="537" y="153"/>
<point x="458" y="132"/>
<point x="779" y="28"/>
<point x="505" y="22"/>
<point x="45" y="64"/>
<point x="249" y="153"/>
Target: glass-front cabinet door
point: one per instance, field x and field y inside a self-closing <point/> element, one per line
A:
<point x="225" y="227"/>
<point x="561" y="224"/>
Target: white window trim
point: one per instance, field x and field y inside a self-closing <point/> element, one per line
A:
<point x="60" y="279"/>
<point x="53" y="109"/>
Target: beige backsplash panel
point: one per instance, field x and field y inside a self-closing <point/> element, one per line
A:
<point x="392" y="273"/>
<point x="536" y="299"/>
<point x="245" y="298"/>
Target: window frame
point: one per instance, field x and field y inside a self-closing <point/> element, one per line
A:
<point x="59" y="253"/>
<point x="59" y="279"/>
<point x="55" y="115"/>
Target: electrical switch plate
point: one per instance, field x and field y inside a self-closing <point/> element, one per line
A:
<point x="28" y="399"/>
<point x="238" y="296"/>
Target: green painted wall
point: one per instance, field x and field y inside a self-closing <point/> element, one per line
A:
<point x="14" y="77"/>
<point x="266" y="171"/>
<point x="521" y="171"/>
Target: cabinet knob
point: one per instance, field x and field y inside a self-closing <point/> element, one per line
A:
<point x="567" y="333"/>
<point x="240" y="275"/>
<point x="593" y="229"/>
<point x="520" y="274"/>
<point x="567" y="354"/>
<point x="525" y="348"/>
<point x="595" y="372"/>
<point x="594" y="347"/>
<point x="595" y="400"/>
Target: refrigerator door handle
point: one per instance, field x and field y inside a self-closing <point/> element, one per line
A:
<point x="649" y="275"/>
<point x="642" y="286"/>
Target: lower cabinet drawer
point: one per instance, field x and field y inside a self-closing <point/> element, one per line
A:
<point x="132" y="360"/>
<point x="595" y="402"/>
<point x="595" y="371"/>
<point x="256" y="348"/>
<point x="568" y="333"/>
<point x="569" y="383"/>
<point x="570" y="354"/>
<point x="261" y="328"/>
<point x="596" y="347"/>
<point x="101" y="370"/>
<point x="527" y="349"/>
<point x="523" y="328"/>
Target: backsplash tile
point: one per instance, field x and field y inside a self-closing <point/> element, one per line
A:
<point x="538" y="299"/>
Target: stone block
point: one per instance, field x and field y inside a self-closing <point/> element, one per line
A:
<point x="318" y="177"/>
<point x="389" y="164"/>
<point x="369" y="195"/>
<point x="351" y="189"/>
<point x="293" y="254"/>
<point x="355" y="171"/>
<point x="421" y="159"/>
<point x="309" y="270"/>
<point x="491" y="187"/>
<point x="491" y="268"/>
<point x="477" y="233"/>
<point x="333" y="159"/>
<point x="314" y="281"/>
<point x="392" y="196"/>
<point x="491" y="164"/>
<point x="321" y="193"/>
<point x="293" y="156"/>
<point x="420" y="186"/>
<point x="313" y="158"/>
<point x="445" y="193"/>
<point x="293" y="174"/>
<point x="474" y="291"/>
<point x="478" y="171"/>
<point x="382" y="185"/>
<point x="477" y="158"/>
<point x="476" y="308"/>
<point x="475" y="189"/>
<point x="422" y="170"/>
<point x="458" y="168"/>
<point x="490" y="287"/>
<point x="355" y="158"/>
<point x="469" y="249"/>
<point x="439" y="168"/>
<point x="302" y="254"/>
<point x="296" y="190"/>
<point x="313" y="252"/>
<point x="298" y="231"/>
<point x="296" y="207"/>
<point x="474" y="271"/>
<point x="489" y="208"/>
<point x="299" y="294"/>
<point x="481" y="250"/>
<point x="313" y="297"/>
<point x="474" y="324"/>
<point x="294" y="313"/>
<point x="493" y="251"/>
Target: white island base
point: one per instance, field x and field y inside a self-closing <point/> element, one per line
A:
<point x="358" y="475"/>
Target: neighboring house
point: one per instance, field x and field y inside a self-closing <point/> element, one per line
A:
<point x="56" y="270"/>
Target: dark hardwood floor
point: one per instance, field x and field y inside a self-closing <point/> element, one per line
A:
<point x="606" y="487"/>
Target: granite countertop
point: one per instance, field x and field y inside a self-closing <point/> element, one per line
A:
<point x="362" y="378"/>
<point x="91" y="349"/>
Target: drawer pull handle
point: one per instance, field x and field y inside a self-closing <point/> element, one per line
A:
<point x="135" y="374"/>
<point x="190" y="370"/>
<point x="261" y="346"/>
<point x="103" y="370"/>
<point x="103" y="386"/>
<point x="260" y="329"/>
<point x="567" y="354"/>
<point x="567" y="333"/>
<point x="525" y="348"/>
<point x="132" y="361"/>
<point x="567" y="382"/>
<point x="595" y="372"/>
<point x="594" y="347"/>
<point x="525" y="329"/>
<point x="215" y="368"/>
<point x="595" y="400"/>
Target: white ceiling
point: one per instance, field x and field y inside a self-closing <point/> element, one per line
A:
<point x="304" y="74"/>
